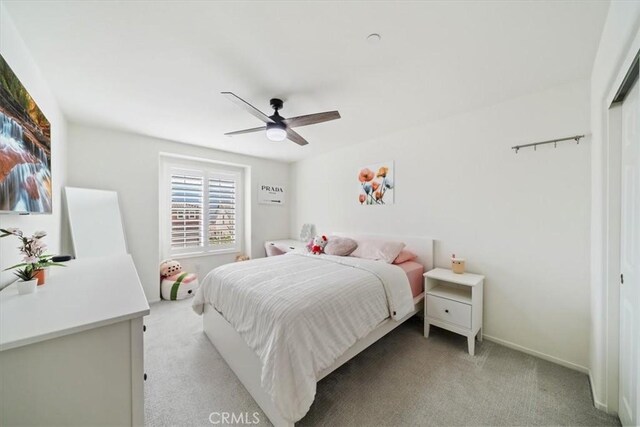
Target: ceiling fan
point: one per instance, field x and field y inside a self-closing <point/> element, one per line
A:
<point x="278" y="128"/>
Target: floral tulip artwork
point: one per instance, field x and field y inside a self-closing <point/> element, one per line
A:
<point x="366" y="175"/>
<point x="376" y="184"/>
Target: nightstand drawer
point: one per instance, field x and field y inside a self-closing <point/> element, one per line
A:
<point x="450" y="311"/>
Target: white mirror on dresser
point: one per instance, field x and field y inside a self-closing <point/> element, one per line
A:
<point x="95" y="222"/>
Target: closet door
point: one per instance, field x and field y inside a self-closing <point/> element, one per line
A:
<point x="629" y="396"/>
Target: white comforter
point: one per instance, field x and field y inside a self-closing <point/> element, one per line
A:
<point x="300" y="312"/>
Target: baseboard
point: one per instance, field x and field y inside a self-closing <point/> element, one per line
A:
<point x="535" y="353"/>
<point x="596" y="402"/>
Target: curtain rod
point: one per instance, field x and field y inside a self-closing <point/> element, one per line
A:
<point x="575" y="138"/>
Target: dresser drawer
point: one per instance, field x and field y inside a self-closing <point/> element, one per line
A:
<point x="450" y="311"/>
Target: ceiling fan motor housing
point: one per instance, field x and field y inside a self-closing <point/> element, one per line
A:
<point x="276" y="126"/>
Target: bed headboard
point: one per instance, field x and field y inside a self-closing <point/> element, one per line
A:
<point x="421" y="246"/>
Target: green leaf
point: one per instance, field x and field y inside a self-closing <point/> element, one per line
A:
<point x="16" y="266"/>
<point x="50" y="263"/>
<point x="25" y="274"/>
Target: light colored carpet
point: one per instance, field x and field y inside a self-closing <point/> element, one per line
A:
<point x="403" y="379"/>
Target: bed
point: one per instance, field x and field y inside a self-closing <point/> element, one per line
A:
<point x="289" y="321"/>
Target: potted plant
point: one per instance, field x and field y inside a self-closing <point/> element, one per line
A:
<point x="32" y="248"/>
<point x="27" y="280"/>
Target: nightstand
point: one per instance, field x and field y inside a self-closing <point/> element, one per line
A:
<point x="283" y="246"/>
<point x="454" y="302"/>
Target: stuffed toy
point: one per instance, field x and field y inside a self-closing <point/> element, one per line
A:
<point x="317" y="245"/>
<point x="170" y="267"/>
<point x="176" y="284"/>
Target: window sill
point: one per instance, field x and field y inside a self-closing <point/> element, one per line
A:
<point x="204" y="254"/>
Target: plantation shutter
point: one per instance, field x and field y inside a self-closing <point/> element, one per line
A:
<point x="187" y="209"/>
<point x="201" y="209"/>
<point x="222" y="210"/>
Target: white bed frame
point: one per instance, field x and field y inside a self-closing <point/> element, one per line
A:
<point x="246" y="364"/>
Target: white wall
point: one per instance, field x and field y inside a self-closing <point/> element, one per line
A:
<point x="520" y="219"/>
<point x="129" y="164"/>
<point x="619" y="42"/>
<point x="17" y="55"/>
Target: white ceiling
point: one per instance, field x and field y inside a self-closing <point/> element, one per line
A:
<point x="157" y="68"/>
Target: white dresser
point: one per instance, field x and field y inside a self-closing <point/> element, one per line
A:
<point x="72" y="352"/>
<point x="454" y="302"/>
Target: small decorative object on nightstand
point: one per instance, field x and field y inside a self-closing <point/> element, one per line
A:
<point x="454" y="302"/>
<point x="457" y="264"/>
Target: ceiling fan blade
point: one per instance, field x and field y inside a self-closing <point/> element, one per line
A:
<point x="246" y="106"/>
<point x="295" y="137"/>
<point x="240" y="132"/>
<point x="311" y="119"/>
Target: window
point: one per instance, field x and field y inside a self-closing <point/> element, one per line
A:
<point x="201" y="209"/>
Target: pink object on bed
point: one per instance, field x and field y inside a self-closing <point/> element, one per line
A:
<point x="272" y="250"/>
<point x="414" y="271"/>
<point x="404" y="256"/>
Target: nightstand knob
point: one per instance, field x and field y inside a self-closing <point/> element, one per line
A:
<point x="446" y="311"/>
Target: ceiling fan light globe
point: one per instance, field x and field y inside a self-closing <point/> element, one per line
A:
<point x="276" y="133"/>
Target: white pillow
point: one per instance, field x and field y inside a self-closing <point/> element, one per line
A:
<point x="382" y="250"/>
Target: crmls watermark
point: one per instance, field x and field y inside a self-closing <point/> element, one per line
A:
<point x="229" y="418"/>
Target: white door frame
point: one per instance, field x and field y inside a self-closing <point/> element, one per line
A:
<point x="611" y="261"/>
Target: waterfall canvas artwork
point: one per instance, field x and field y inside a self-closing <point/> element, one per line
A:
<point x="375" y="184"/>
<point x="25" y="149"/>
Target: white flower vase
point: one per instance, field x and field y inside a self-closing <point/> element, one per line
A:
<point x="27" y="287"/>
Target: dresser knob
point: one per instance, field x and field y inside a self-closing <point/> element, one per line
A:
<point x="145" y="376"/>
<point x="144" y="328"/>
<point x="446" y="311"/>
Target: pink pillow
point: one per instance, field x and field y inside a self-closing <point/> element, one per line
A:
<point x="404" y="256"/>
<point x="383" y="250"/>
